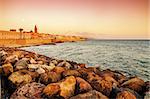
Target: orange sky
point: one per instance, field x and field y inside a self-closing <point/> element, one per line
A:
<point x="91" y="18"/>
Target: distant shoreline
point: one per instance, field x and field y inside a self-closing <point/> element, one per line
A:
<point x="17" y="43"/>
<point x="119" y="39"/>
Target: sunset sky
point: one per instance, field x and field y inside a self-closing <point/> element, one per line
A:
<point x="91" y="18"/>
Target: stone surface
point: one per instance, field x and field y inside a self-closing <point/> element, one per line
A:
<point x="135" y="84"/>
<point x="21" y="64"/>
<point x="125" y="95"/>
<point x="71" y="73"/>
<point x="67" y="87"/>
<point x="90" y="95"/>
<point x="20" y="77"/>
<point x="49" y="77"/>
<point x="82" y="86"/>
<point x="51" y="90"/>
<point x="28" y="91"/>
<point x="7" y="68"/>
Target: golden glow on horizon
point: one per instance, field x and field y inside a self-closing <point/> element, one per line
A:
<point x="105" y="19"/>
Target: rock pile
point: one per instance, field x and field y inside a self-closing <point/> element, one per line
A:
<point x="27" y="75"/>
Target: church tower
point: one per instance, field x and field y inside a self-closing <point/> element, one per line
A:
<point x="35" y="29"/>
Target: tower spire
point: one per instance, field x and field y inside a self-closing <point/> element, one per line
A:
<point x="35" y="29"/>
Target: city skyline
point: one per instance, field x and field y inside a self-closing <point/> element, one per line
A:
<point x="90" y="18"/>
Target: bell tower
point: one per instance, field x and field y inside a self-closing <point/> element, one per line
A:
<point x="35" y="29"/>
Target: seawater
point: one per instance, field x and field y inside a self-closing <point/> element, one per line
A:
<point x="131" y="57"/>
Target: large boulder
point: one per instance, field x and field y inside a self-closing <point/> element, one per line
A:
<point x="32" y="61"/>
<point x="40" y="68"/>
<point x="59" y="70"/>
<point x="112" y="80"/>
<point x="118" y="76"/>
<point x="65" y="64"/>
<point x="135" y="84"/>
<point x="71" y="73"/>
<point x="21" y="64"/>
<point x="19" y="78"/>
<point x="12" y="59"/>
<point x="7" y="68"/>
<point x="18" y="53"/>
<point x="51" y="90"/>
<point x="94" y="69"/>
<point x="125" y="95"/>
<point x="3" y="56"/>
<point x="82" y="86"/>
<point x="67" y="87"/>
<point x="147" y="90"/>
<point x="93" y="77"/>
<point x="49" y="77"/>
<point x="103" y="86"/>
<point x="28" y="91"/>
<point x="90" y="95"/>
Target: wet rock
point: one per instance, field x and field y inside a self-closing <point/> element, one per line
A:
<point x="117" y="90"/>
<point x="147" y="86"/>
<point x="82" y="86"/>
<point x="94" y="69"/>
<point x="81" y="65"/>
<point x="28" y="91"/>
<point x="30" y="55"/>
<point x="67" y="87"/>
<point x="21" y="64"/>
<point x="2" y="56"/>
<point x="90" y="95"/>
<point x="119" y="77"/>
<point x="103" y="86"/>
<point x="107" y="72"/>
<point x="59" y="70"/>
<point x="33" y="67"/>
<point x="19" y="54"/>
<point x="40" y="68"/>
<point x="49" y="77"/>
<point x="40" y="62"/>
<point x="112" y="80"/>
<point x="51" y="90"/>
<point x="55" y="62"/>
<point x="2" y="53"/>
<point x="125" y="95"/>
<point x="51" y="66"/>
<point x="1" y="71"/>
<point x="147" y="90"/>
<point x="12" y="59"/>
<point x="7" y="69"/>
<point x="65" y="64"/>
<point x="32" y="61"/>
<point x="71" y="73"/>
<point x="135" y="84"/>
<point x="92" y="77"/>
<point x="19" y="78"/>
<point x="147" y="95"/>
<point x="34" y="75"/>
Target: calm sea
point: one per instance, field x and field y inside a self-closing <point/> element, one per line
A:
<point x="130" y="57"/>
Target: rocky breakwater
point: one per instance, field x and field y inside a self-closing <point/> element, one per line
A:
<point x="27" y="75"/>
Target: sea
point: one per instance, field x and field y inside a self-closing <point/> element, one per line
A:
<point x="131" y="57"/>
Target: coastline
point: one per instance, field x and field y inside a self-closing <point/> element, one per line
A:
<point x="71" y="71"/>
<point x="34" y="42"/>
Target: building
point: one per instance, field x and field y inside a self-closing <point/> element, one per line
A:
<point x="14" y="35"/>
<point x="35" y="29"/>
